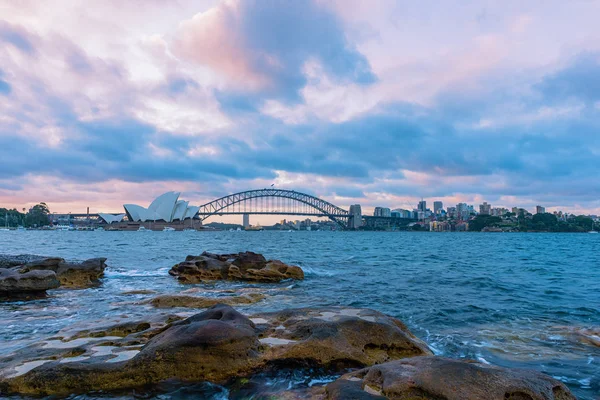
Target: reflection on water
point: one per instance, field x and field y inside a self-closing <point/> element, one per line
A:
<point x="517" y="300"/>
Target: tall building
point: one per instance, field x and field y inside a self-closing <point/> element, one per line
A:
<point x="422" y="206"/>
<point x="437" y="207"/>
<point x="246" y="221"/>
<point x="540" y="209"/>
<point x="463" y="211"/>
<point x="382" y="212"/>
<point x="485" y="208"/>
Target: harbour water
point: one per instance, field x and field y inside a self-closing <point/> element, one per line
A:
<point x="514" y="300"/>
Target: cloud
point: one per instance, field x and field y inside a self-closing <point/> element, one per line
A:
<point x="580" y="80"/>
<point x="263" y="46"/>
<point x="249" y="93"/>
<point x="16" y="36"/>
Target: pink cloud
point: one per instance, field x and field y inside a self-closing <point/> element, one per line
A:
<point x="211" y="38"/>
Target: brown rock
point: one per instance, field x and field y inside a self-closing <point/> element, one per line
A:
<point x="221" y="343"/>
<point x="335" y="337"/>
<point x="170" y="301"/>
<point x="247" y="266"/>
<point x="437" y="378"/>
<point x="14" y="283"/>
<point x="70" y="274"/>
<point x="211" y="346"/>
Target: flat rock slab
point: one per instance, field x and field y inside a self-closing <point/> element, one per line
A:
<point x="220" y="344"/>
<point x="246" y="266"/>
<point x="438" y="378"/>
<point x="187" y="301"/>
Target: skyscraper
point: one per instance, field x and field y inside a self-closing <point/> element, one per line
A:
<point x="437" y="207"/>
<point x="422" y="205"/>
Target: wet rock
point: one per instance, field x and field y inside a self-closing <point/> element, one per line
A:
<point x="211" y="346"/>
<point x="220" y="344"/>
<point x="70" y="274"/>
<point x="17" y="284"/>
<point x="8" y="261"/>
<point x="437" y="378"/>
<point x="246" y="266"/>
<point x="335" y="337"/>
<point x="136" y="292"/>
<point x="170" y="301"/>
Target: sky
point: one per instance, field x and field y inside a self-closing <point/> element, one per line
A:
<point x="375" y="102"/>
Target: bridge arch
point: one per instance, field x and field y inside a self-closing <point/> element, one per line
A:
<point x="322" y="208"/>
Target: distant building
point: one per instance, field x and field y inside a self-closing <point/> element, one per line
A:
<point x="422" y="206"/>
<point x="499" y="212"/>
<point x="246" y="221"/>
<point x="540" y="210"/>
<point x="382" y="212"/>
<point x="438" y="206"/>
<point x="451" y="212"/>
<point x="401" y="213"/>
<point x="463" y="211"/>
<point x="485" y="208"/>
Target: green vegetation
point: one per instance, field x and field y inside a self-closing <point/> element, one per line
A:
<point x="525" y="222"/>
<point x="36" y="217"/>
<point x="483" y="221"/>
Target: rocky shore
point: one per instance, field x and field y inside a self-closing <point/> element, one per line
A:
<point x="374" y="355"/>
<point x="30" y="276"/>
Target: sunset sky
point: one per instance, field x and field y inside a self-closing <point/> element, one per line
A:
<point x="371" y="102"/>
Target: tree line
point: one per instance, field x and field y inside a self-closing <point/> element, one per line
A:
<point x="543" y="222"/>
<point x="37" y="216"/>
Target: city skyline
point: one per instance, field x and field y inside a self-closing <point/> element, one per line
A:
<point x="378" y="103"/>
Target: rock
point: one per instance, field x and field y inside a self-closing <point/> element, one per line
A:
<point x="335" y="337"/>
<point x="436" y="378"/>
<point x="211" y="346"/>
<point x="247" y="266"/>
<point x="16" y="284"/>
<point x="8" y="261"/>
<point x="169" y="301"/>
<point x="70" y="274"/>
<point x="136" y="292"/>
<point x="219" y="344"/>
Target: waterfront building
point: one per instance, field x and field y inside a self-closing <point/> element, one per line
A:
<point x="540" y="210"/>
<point x="166" y="207"/>
<point x="111" y="218"/>
<point x="382" y="212"/>
<point x="485" y="208"/>
<point x="437" y="207"/>
<point x="246" y="221"/>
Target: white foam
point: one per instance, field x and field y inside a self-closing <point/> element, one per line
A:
<point x="259" y="320"/>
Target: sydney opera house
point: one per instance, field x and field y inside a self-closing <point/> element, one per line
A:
<point x="166" y="208"/>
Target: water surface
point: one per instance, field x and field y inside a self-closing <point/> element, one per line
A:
<point x="515" y="300"/>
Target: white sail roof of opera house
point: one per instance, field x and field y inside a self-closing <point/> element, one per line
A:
<point x="110" y="218"/>
<point x="166" y="207"/>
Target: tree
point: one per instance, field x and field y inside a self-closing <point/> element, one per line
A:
<point x="481" y="221"/>
<point x="38" y="215"/>
<point x="545" y="221"/>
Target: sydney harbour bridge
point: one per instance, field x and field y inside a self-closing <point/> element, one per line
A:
<point x="273" y="201"/>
